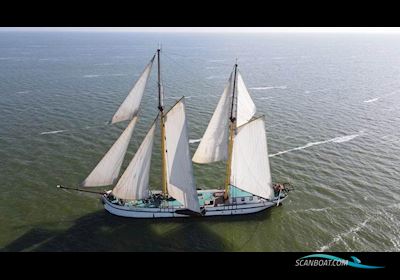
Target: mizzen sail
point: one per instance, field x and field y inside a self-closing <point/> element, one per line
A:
<point x="107" y="170"/>
<point x="250" y="162"/>
<point x="180" y="180"/>
<point x="130" y="107"/>
<point x="134" y="183"/>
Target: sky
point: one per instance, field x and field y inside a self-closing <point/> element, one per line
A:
<point x="215" y="29"/>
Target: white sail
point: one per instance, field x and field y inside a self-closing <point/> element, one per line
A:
<point x="250" y="163"/>
<point x="107" y="170"/>
<point x="245" y="105"/>
<point x="214" y="144"/>
<point x="134" y="183"/>
<point x="180" y="180"/>
<point x="130" y="106"/>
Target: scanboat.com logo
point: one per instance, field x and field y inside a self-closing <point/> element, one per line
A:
<point x="329" y="260"/>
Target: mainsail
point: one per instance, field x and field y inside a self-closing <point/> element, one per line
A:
<point x="130" y="107"/>
<point x="250" y="162"/>
<point x="180" y="180"/>
<point x="134" y="183"/>
<point x="107" y="170"/>
<point x="214" y="144"/>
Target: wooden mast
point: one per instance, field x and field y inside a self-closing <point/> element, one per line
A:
<point x="232" y="128"/>
<point x="162" y="126"/>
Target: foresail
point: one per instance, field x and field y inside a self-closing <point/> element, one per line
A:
<point x="107" y="170"/>
<point x="134" y="183"/>
<point x="131" y="104"/>
<point x="250" y="162"/>
<point x="214" y="144"/>
<point x="245" y="105"/>
<point x="180" y="180"/>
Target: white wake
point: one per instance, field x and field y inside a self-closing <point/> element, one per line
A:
<point x="339" y="237"/>
<point x="339" y="139"/>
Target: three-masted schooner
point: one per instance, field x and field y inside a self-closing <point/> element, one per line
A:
<point x="233" y="135"/>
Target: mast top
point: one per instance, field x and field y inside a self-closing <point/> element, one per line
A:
<point x="160" y="97"/>
<point x="232" y="118"/>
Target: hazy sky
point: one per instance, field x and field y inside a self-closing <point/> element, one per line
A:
<point x="214" y="29"/>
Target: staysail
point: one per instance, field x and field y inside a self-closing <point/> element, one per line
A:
<point x="134" y="183"/>
<point x="250" y="162"/>
<point x="107" y="170"/>
<point x="180" y="180"/>
<point x="245" y="105"/>
<point x="214" y="144"/>
<point x="130" y="106"/>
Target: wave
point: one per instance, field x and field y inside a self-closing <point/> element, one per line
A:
<point x="8" y="58"/>
<point x="108" y="75"/>
<point x="215" y="77"/>
<point x="266" y="88"/>
<point x="175" y="97"/>
<point x="383" y="96"/>
<point x="191" y="141"/>
<point x="264" y="98"/>
<point x="316" y="90"/>
<point x="24" y="91"/>
<point x="371" y="100"/>
<point x="340" y="139"/>
<point x="216" y="60"/>
<point x="53" y="132"/>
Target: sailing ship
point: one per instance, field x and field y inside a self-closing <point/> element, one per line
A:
<point x="233" y="135"/>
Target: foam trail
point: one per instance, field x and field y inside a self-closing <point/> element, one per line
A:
<point x="191" y="141"/>
<point x="338" y="238"/>
<point x="53" y="132"/>
<point x="344" y="138"/>
<point x="91" y="76"/>
<point x="339" y="139"/>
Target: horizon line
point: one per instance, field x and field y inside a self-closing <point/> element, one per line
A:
<point x="369" y="30"/>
